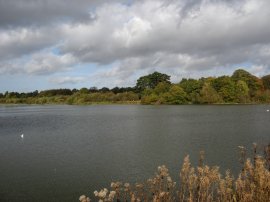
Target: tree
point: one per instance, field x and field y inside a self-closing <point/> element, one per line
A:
<point x="266" y="81"/>
<point x="225" y="87"/>
<point x="191" y="85"/>
<point x="74" y="90"/>
<point x="54" y="92"/>
<point x="151" y="81"/>
<point x="242" y="92"/>
<point x="253" y="82"/>
<point x="161" y="88"/>
<point x="116" y="90"/>
<point x="176" y="95"/>
<point x="104" y="90"/>
<point x="150" y="99"/>
<point x="209" y="95"/>
<point x="93" y="89"/>
<point x="83" y="91"/>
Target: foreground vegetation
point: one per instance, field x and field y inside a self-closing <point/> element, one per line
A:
<point x="156" y="88"/>
<point x="203" y="183"/>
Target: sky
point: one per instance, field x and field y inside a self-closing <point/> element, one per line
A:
<point x="47" y="44"/>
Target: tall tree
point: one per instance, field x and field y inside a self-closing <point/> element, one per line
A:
<point x="253" y="82"/>
<point x="266" y="81"/>
<point x="242" y="92"/>
<point x="151" y="81"/>
<point x="209" y="95"/>
<point x="225" y="87"/>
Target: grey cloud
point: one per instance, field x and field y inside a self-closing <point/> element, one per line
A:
<point x="37" y="12"/>
<point x="22" y="41"/>
<point x="10" y="68"/>
<point x="176" y="36"/>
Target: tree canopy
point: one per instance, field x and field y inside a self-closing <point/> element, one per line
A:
<point x="151" y="81"/>
<point x="156" y="88"/>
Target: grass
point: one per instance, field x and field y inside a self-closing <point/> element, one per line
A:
<point x="200" y="184"/>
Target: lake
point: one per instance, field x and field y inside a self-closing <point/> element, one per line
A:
<point x="68" y="151"/>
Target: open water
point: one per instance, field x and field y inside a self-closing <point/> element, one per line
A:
<point x="72" y="150"/>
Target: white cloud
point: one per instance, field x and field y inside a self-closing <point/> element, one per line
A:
<point x="41" y="63"/>
<point x="67" y="80"/>
<point x="46" y="63"/>
<point x="146" y="28"/>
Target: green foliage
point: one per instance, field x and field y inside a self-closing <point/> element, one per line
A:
<point x="266" y="81"/>
<point x="242" y="92"/>
<point x="253" y="82"/>
<point x="208" y="95"/>
<point x="83" y="91"/>
<point x="151" y="81"/>
<point x="176" y="95"/>
<point x="191" y="85"/>
<point x="155" y="88"/>
<point x="165" y="94"/>
<point x="150" y="99"/>
<point x="54" y="92"/>
<point x="225" y="87"/>
<point x="161" y="88"/>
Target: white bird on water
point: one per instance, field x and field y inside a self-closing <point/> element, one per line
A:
<point x="21" y="135"/>
<point x="267" y="110"/>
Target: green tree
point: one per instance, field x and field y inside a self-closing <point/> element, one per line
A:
<point x="151" y="81"/>
<point x="225" y="87"/>
<point x="176" y="95"/>
<point x="192" y="87"/>
<point x="150" y="99"/>
<point x="209" y="95"/>
<point x="242" y="92"/>
<point x="161" y="88"/>
<point x="253" y="82"/>
<point x="266" y="81"/>
<point x="83" y="91"/>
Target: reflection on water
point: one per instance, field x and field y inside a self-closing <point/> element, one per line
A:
<point x="70" y="150"/>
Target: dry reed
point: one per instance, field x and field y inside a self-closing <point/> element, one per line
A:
<point x="200" y="184"/>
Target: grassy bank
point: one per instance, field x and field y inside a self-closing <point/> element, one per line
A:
<point x="202" y="183"/>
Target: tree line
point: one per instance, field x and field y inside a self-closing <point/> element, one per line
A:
<point x="156" y="88"/>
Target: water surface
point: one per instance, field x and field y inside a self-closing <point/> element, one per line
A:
<point x="72" y="150"/>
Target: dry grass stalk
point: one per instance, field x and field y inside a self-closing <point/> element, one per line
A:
<point x="201" y="184"/>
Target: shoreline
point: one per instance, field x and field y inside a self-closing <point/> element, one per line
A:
<point x="129" y="103"/>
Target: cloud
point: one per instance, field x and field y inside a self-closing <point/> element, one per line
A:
<point x="153" y="27"/>
<point x="46" y="63"/>
<point x="41" y="63"/>
<point x="67" y="80"/>
<point x="16" y="13"/>
<point x="16" y="43"/>
<point x="186" y="37"/>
